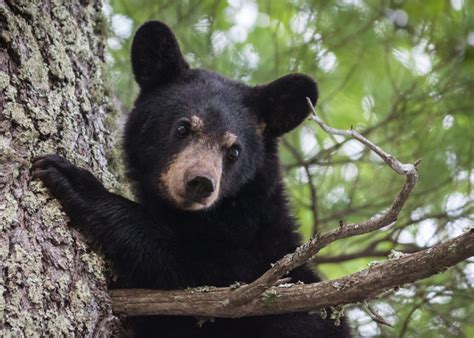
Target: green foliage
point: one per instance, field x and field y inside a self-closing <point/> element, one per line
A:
<point x="401" y="72"/>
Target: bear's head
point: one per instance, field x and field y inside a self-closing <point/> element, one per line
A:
<point x="195" y="137"/>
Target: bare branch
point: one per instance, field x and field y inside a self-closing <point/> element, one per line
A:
<point x="311" y="186"/>
<point x="267" y="295"/>
<point x="308" y="250"/>
<point x="377" y="316"/>
<point x="399" y="167"/>
<point x="368" y="252"/>
<point x="358" y="287"/>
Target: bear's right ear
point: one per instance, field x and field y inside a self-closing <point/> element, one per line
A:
<point x="156" y="57"/>
<point x="282" y="105"/>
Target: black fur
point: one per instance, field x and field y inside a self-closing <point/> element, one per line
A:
<point x="156" y="57"/>
<point x="154" y="244"/>
<point x="274" y="101"/>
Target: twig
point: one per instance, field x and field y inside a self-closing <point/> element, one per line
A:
<point x="399" y="167"/>
<point x="308" y="250"/>
<point x="267" y="295"/>
<point x="369" y="252"/>
<point x="377" y="316"/>
<point x="311" y="186"/>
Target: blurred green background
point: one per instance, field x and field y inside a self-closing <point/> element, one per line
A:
<point x="402" y="73"/>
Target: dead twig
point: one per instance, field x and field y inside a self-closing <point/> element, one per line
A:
<point x="269" y="294"/>
<point x="308" y="250"/>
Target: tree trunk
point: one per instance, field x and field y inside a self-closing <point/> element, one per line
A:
<point x="53" y="100"/>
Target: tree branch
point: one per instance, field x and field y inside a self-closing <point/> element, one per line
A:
<point x="358" y="287"/>
<point x="308" y="250"/>
<point x="267" y="295"/>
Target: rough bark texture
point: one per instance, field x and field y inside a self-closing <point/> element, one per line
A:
<point x="53" y="100"/>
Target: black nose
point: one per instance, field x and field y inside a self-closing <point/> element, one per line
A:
<point x="199" y="187"/>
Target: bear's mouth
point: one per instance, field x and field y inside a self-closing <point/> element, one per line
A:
<point x="183" y="202"/>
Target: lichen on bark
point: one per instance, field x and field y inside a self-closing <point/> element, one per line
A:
<point x="54" y="99"/>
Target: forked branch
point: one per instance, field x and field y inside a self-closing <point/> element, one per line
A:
<point x="358" y="287"/>
<point x="267" y="296"/>
<point x="308" y="250"/>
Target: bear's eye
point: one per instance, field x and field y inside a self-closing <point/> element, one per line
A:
<point x="234" y="152"/>
<point x="183" y="129"/>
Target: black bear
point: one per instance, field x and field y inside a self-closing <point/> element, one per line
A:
<point x="202" y="153"/>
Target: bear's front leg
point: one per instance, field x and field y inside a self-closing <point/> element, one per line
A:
<point x="74" y="187"/>
<point x="144" y="253"/>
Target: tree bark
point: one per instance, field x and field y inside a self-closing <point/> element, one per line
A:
<point x="53" y="100"/>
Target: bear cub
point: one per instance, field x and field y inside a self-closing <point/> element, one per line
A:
<point x="202" y="153"/>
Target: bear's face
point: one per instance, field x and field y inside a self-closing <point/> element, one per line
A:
<point x="197" y="139"/>
<point x="194" y="136"/>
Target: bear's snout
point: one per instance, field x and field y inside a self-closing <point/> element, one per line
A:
<point x="199" y="186"/>
<point x="192" y="179"/>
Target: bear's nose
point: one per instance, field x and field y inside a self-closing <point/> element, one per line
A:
<point x="199" y="187"/>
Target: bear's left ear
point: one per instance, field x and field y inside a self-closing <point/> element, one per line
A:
<point x="156" y="57"/>
<point x="282" y="105"/>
